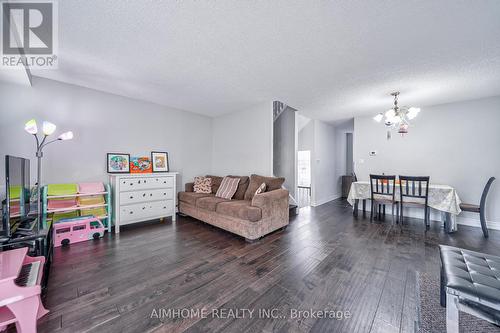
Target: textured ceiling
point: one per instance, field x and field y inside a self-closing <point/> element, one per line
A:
<point x="328" y="59"/>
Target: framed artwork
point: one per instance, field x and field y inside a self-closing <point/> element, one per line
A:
<point x="118" y="163"/>
<point x="160" y="161"/>
<point x="140" y="165"/>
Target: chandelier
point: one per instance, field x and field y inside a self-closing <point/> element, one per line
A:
<point x="397" y="117"/>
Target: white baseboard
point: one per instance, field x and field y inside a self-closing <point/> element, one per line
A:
<point x="472" y="222"/>
<point x="325" y="200"/>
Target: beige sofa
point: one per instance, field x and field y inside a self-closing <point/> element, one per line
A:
<point x="246" y="214"/>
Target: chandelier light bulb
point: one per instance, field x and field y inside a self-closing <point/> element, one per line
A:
<point x="48" y="128"/>
<point x="378" y="118"/>
<point x="413" y="112"/>
<point x="390" y="113"/>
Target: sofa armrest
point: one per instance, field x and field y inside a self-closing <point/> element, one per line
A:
<point x="189" y="187"/>
<point x="272" y="203"/>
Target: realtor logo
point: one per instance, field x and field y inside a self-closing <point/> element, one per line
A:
<point x="29" y="33"/>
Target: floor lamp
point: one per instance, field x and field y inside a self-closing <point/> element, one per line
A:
<point x="47" y="129"/>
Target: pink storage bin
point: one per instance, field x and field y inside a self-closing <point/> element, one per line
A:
<point x="15" y="208"/>
<point x="85" y="188"/>
<point x="61" y="203"/>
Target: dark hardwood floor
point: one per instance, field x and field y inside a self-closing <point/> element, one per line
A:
<point x="326" y="259"/>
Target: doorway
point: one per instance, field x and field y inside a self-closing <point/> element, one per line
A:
<point x="304" y="178"/>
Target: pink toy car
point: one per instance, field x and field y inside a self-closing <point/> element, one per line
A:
<point x="76" y="230"/>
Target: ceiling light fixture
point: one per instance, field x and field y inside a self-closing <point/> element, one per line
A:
<point x="398" y="116"/>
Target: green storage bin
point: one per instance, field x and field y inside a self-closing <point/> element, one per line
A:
<point x="62" y="189"/>
<point x="64" y="215"/>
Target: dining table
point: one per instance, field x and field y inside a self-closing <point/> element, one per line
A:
<point x="443" y="198"/>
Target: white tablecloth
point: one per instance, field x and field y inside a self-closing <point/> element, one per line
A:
<point x="441" y="197"/>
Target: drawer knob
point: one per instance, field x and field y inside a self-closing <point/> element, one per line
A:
<point x="131" y="212"/>
<point x="138" y="182"/>
<point x="131" y="184"/>
<point x="150" y="194"/>
<point x="131" y="197"/>
<point x="164" y="193"/>
<point x="143" y="207"/>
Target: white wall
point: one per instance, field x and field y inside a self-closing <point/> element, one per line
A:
<point x="306" y="137"/>
<point x="341" y="150"/>
<point x="242" y="142"/>
<point x="285" y="148"/>
<point x="102" y="123"/>
<point x="324" y="178"/>
<point x="456" y="144"/>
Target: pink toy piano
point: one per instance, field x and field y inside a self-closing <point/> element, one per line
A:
<point x="20" y="278"/>
<point x="77" y="229"/>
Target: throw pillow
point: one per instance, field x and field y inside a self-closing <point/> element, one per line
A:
<point x="202" y="185"/>
<point x="216" y="180"/>
<point x="261" y="189"/>
<point x="227" y="188"/>
<point x="242" y="187"/>
<point x="272" y="183"/>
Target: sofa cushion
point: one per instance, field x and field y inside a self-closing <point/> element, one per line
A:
<point x="202" y="185"/>
<point x="272" y="183"/>
<point x="227" y="188"/>
<point x="241" y="209"/>
<point x="191" y="197"/>
<point x="216" y="180"/>
<point x="209" y="203"/>
<point x="242" y="187"/>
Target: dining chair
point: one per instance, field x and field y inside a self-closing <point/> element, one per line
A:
<point x="383" y="193"/>
<point x="354" y="177"/>
<point x="416" y="190"/>
<point x="481" y="208"/>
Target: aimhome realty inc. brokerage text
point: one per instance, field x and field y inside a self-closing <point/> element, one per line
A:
<point x="242" y="313"/>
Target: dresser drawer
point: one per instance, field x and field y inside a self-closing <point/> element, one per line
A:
<point x="133" y="212"/>
<point x="162" y="208"/>
<point x="145" y="195"/>
<point x="140" y="183"/>
<point x="146" y="210"/>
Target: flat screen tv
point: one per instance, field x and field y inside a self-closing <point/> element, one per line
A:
<point x="17" y="199"/>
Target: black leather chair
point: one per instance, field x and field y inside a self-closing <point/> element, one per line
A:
<point x="481" y="208"/>
<point x="470" y="282"/>
<point x="416" y="190"/>
<point x="383" y="189"/>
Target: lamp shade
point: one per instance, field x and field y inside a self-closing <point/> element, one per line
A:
<point x="66" y="136"/>
<point x="48" y="128"/>
<point x="31" y="127"/>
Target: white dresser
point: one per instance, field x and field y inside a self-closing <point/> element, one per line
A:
<point x="142" y="197"/>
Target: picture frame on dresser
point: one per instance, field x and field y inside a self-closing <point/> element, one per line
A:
<point x="159" y="160"/>
<point x="140" y="164"/>
<point x="118" y="163"/>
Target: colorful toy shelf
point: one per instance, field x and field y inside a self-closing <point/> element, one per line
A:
<point x="61" y="201"/>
